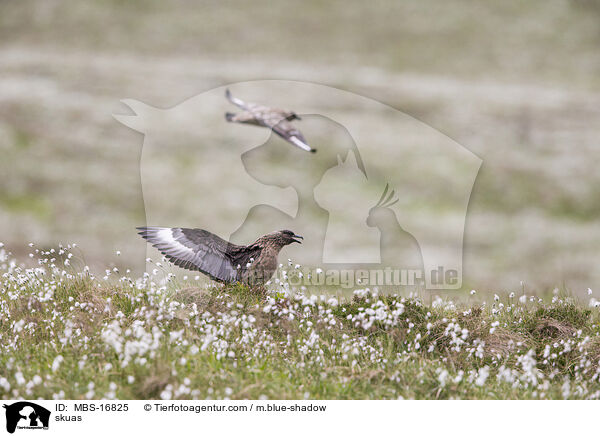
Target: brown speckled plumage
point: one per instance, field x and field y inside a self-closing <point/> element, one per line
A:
<point x="200" y="250"/>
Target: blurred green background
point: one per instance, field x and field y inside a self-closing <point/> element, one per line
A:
<point x="517" y="83"/>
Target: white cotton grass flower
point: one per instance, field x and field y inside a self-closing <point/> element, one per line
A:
<point x="566" y="389"/>
<point x="4" y="384"/>
<point x="19" y="378"/>
<point x="91" y="392"/>
<point x="56" y="363"/>
<point x="482" y="376"/>
<point x="167" y="393"/>
<point x="443" y="377"/>
<point x="458" y="377"/>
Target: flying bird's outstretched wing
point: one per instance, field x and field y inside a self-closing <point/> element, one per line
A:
<point x="287" y="131"/>
<point x="199" y="250"/>
<point x="236" y="101"/>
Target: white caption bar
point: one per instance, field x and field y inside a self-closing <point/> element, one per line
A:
<point x="271" y="417"/>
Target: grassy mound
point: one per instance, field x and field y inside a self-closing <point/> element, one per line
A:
<point x="69" y="334"/>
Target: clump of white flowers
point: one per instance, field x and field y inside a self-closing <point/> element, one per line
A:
<point x="110" y="335"/>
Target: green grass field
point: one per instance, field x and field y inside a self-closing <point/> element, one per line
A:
<point x="68" y="334"/>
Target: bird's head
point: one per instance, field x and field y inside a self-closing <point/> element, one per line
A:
<point x="292" y="116"/>
<point x="282" y="238"/>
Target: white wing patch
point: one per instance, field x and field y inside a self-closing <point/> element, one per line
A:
<point x="300" y="144"/>
<point x="165" y="239"/>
